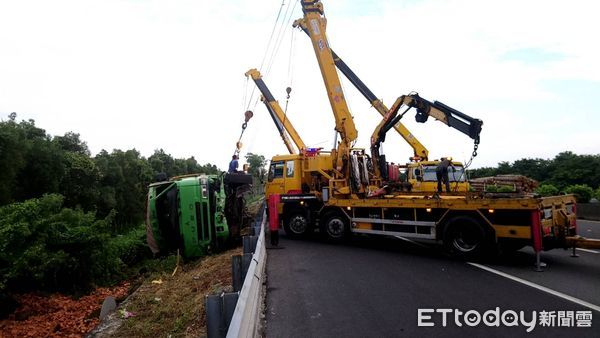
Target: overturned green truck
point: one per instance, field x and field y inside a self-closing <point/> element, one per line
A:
<point x="196" y="214"/>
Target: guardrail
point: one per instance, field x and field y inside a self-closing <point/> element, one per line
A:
<point x="590" y="211"/>
<point x="237" y="314"/>
<point x="246" y="317"/>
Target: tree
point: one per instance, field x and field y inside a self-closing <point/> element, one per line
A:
<point x="257" y="165"/>
<point x="81" y="182"/>
<point x="13" y="151"/>
<point x="43" y="169"/>
<point x="547" y="190"/>
<point x="124" y="177"/>
<point x="72" y="143"/>
<point x="535" y="168"/>
<point x="582" y="192"/>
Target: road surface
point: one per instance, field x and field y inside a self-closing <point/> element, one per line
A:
<point x="375" y="288"/>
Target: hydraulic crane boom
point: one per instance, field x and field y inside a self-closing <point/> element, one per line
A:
<point x="315" y="23"/>
<point x="445" y="114"/>
<point x="419" y="151"/>
<point x="283" y="124"/>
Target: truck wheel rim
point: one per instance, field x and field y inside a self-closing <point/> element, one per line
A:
<point x="298" y="224"/>
<point x="335" y="228"/>
<point x="465" y="240"/>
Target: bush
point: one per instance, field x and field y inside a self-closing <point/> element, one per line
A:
<point x="44" y="246"/>
<point x="547" y="190"/>
<point x="582" y="192"/>
<point x="131" y="247"/>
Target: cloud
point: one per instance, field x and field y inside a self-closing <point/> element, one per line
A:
<point x="169" y="74"/>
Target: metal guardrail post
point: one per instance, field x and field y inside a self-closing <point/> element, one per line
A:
<point x="213" y="316"/>
<point x="249" y="244"/>
<point x="219" y="311"/>
<point x="239" y="269"/>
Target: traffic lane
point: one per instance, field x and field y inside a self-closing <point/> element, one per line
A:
<point x="578" y="277"/>
<point x="375" y="288"/>
<point x="575" y="276"/>
<point x="589" y="229"/>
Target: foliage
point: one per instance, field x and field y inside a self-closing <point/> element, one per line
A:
<point x="597" y="194"/>
<point x="70" y="220"/>
<point x="547" y="190"/>
<point x="114" y="183"/>
<point x="162" y="162"/>
<point x="257" y="165"/>
<point x="499" y="188"/>
<point x="125" y="176"/>
<point x="44" y="246"/>
<point x="564" y="170"/>
<point x="582" y="192"/>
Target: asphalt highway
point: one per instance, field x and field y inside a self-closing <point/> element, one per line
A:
<point x="388" y="287"/>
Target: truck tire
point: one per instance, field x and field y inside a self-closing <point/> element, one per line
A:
<point x="466" y="238"/>
<point x="296" y="224"/>
<point x="334" y="226"/>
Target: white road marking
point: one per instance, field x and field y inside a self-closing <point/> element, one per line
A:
<point x="413" y="242"/>
<point x="588" y="250"/>
<point x="539" y="287"/>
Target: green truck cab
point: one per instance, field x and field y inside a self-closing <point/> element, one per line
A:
<point x="196" y="214"/>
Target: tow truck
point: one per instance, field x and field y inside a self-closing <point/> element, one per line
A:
<point x="469" y="225"/>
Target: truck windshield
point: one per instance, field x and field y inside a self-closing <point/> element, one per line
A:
<point x="276" y="170"/>
<point x="454" y="175"/>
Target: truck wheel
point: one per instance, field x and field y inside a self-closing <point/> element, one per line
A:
<point x="296" y="224"/>
<point x="466" y="238"/>
<point x="335" y="226"/>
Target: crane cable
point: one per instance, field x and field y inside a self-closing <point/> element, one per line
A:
<point x="269" y="61"/>
<point x="467" y="165"/>
<point x="273" y="45"/>
<point x="262" y="63"/>
<point x="288" y="90"/>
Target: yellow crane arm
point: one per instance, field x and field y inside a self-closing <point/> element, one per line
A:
<point x="420" y="152"/>
<point x="315" y="23"/>
<point x="441" y="112"/>
<point x="283" y="124"/>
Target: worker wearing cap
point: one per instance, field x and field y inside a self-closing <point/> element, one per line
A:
<point x="441" y="173"/>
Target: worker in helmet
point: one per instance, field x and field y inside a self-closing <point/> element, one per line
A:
<point x="441" y="173"/>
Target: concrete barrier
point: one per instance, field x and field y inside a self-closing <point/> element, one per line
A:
<point x="246" y="317"/>
<point x="590" y="211"/>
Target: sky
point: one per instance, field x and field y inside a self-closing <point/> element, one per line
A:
<point x="169" y="74"/>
